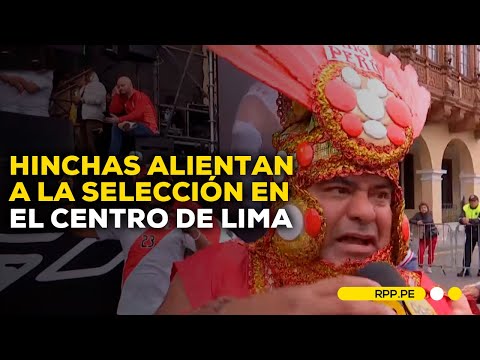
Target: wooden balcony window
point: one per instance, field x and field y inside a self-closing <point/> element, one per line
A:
<point x="464" y="60"/>
<point x="451" y="55"/>
<point x="432" y="53"/>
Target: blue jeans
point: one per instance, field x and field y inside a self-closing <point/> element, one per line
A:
<point x="117" y="137"/>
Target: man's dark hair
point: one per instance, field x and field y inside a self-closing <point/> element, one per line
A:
<point x="473" y="198"/>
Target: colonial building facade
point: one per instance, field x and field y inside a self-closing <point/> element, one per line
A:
<point x="443" y="167"/>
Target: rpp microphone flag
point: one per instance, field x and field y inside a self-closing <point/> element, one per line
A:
<point x="387" y="276"/>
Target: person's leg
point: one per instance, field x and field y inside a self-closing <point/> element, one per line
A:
<point x="141" y="130"/>
<point x="467" y="257"/>
<point x="138" y="131"/>
<point x="421" y="252"/>
<point x="116" y="141"/>
<point x="92" y="126"/>
<point x="427" y="247"/>
<point x="431" y="250"/>
<point x="80" y="138"/>
<point x="474" y="243"/>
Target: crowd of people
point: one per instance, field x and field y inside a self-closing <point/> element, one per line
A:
<point x="129" y="111"/>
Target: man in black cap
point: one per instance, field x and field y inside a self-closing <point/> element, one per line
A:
<point x="470" y="218"/>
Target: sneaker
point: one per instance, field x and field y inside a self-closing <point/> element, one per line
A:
<point x="464" y="272"/>
<point x="429" y="270"/>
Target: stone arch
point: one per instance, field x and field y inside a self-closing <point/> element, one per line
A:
<point x="418" y="159"/>
<point x="457" y="182"/>
<point x="456" y="148"/>
<point x="421" y="151"/>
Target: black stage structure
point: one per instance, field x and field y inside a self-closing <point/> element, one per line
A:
<point x="48" y="271"/>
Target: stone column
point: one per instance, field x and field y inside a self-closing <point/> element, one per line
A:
<point x="432" y="191"/>
<point x="469" y="184"/>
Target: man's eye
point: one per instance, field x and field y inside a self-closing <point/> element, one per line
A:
<point x="339" y="190"/>
<point x="384" y="195"/>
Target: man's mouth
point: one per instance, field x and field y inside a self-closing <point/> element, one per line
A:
<point x="357" y="245"/>
<point x="355" y="240"/>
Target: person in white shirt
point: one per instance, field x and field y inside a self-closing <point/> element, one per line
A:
<point x="149" y="257"/>
<point x="151" y="253"/>
<point x="91" y="100"/>
<point x="256" y="121"/>
<point x="26" y="92"/>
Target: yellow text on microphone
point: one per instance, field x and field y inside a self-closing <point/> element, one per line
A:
<point x="351" y="293"/>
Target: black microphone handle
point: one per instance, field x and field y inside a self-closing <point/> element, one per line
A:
<point x="387" y="276"/>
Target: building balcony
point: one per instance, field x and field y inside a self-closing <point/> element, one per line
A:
<point x="455" y="98"/>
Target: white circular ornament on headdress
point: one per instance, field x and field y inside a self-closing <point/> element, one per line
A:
<point x="370" y="104"/>
<point x="296" y="219"/>
<point x="377" y="87"/>
<point x="351" y="77"/>
<point x="375" y="129"/>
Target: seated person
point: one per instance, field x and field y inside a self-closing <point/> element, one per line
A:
<point x="132" y="112"/>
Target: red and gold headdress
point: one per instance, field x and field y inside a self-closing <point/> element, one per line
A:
<point x="345" y="110"/>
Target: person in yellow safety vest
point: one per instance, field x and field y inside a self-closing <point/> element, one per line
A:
<point x="470" y="218"/>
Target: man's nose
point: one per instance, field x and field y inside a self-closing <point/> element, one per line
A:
<point x="361" y="208"/>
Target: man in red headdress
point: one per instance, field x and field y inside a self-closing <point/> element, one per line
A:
<point x="348" y="116"/>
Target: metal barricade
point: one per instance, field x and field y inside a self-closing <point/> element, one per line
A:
<point x="466" y="239"/>
<point x="435" y="246"/>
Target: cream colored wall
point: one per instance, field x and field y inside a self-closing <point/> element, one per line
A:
<point x="452" y="152"/>
<point x="437" y="137"/>
<point x="410" y="212"/>
<point x="421" y="161"/>
<point x="418" y="184"/>
<point x="417" y="187"/>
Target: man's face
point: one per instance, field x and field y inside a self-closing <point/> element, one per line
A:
<point x="423" y="209"/>
<point x="358" y="216"/>
<point x="124" y="86"/>
<point x="473" y="203"/>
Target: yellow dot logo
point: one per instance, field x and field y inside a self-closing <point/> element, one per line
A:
<point x="455" y="293"/>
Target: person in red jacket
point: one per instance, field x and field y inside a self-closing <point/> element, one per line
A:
<point x="131" y="112"/>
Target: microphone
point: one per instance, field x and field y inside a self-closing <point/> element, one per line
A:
<point x="387" y="276"/>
